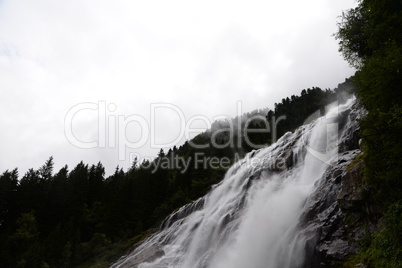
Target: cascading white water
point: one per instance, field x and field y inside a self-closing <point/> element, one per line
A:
<point x="252" y="218"/>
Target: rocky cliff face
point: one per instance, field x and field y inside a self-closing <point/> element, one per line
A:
<point x="339" y="215"/>
<point x="336" y="237"/>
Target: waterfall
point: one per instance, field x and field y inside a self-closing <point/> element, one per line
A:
<point x="253" y="218"/>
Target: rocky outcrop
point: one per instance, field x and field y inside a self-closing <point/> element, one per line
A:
<point x="333" y="234"/>
<point x="347" y="221"/>
<point x="350" y="196"/>
<point x="146" y="255"/>
<point x="183" y="212"/>
<point x="338" y="214"/>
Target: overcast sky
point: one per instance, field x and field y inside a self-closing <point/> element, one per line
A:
<point x="119" y="57"/>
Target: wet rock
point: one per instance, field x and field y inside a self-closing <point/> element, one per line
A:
<point x="147" y="255"/>
<point x="284" y="161"/>
<point x="327" y="221"/>
<point x="183" y="212"/>
<point x="336" y="209"/>
<point x="351" y="140"/>
<point x="350" y="195"/>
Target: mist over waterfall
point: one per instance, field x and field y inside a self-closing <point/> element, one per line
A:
<point x="258" y="216"/>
